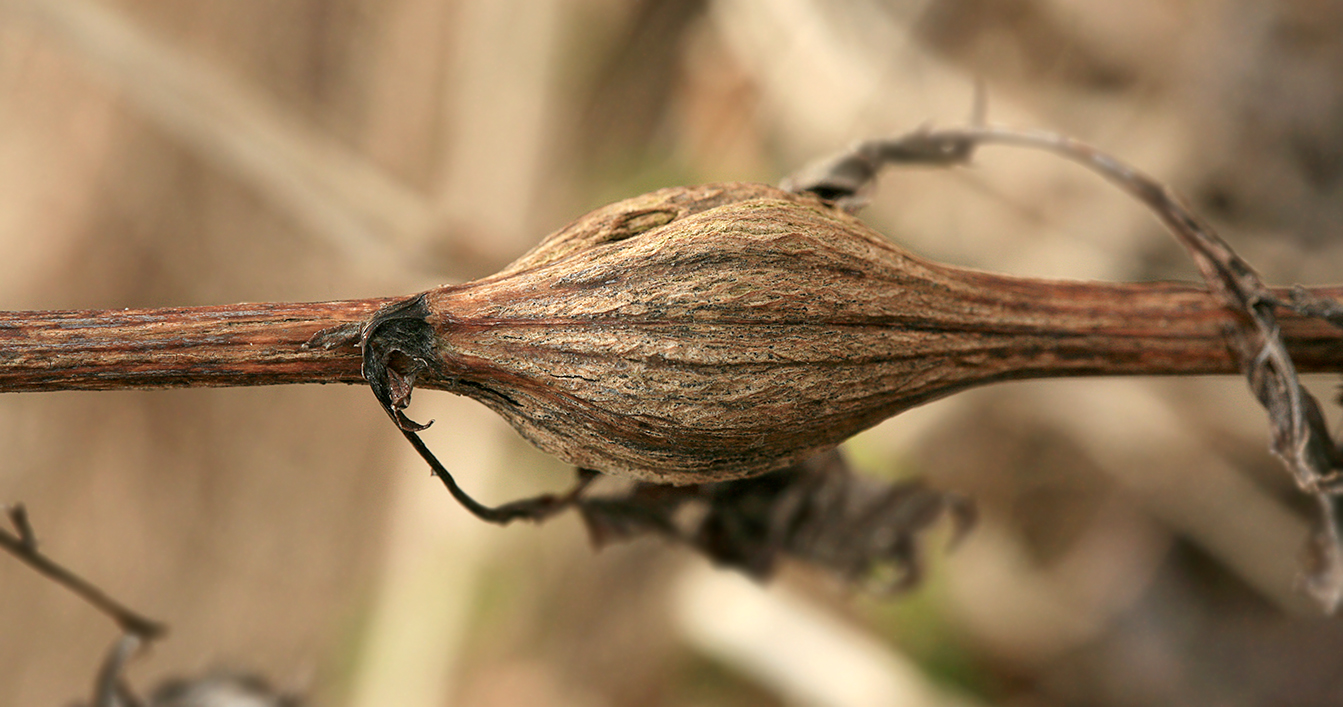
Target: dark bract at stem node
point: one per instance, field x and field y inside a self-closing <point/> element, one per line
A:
<point x="398" y="346"/>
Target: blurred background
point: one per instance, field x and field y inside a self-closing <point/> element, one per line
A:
<point x="1138" y="545"/>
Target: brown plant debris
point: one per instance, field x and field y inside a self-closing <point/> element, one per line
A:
<point x="819" y="512"/>
<point x="703" y="336"/>
<point x="706" y="334"/>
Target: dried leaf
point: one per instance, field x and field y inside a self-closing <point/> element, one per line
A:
<point x="863" y="530"/>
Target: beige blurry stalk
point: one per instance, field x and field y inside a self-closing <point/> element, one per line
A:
<point x="687" y="335"/>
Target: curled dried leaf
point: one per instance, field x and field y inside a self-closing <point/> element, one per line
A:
<point x="865" y="531"/>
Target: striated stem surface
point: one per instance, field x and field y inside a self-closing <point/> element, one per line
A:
<point x="1075" y="329"/>
<point x="177" y="347"/>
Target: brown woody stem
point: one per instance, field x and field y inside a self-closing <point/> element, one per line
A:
<point x="1053" y="329"/>
<point x="1045" y="329"/>
<point x="177" y="347"/>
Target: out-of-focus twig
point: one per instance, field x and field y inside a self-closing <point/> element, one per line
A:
<point x="22" y="543"/>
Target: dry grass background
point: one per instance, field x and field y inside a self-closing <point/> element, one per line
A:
<point x="1138" y="544"/>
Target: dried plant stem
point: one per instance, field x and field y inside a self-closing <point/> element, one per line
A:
<point x="177" y="347"/>
<point x="1042" y="328"/>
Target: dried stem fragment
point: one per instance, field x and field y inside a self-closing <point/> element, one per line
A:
<point x="178" y="347"/>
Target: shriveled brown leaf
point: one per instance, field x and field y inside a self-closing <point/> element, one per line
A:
<point x="819" y="512"/>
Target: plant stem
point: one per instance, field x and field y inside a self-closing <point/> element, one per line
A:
<point x="23" y="545"/>
<point x="1046" y="329"/>
<point x="177" y="347"/>
<point x="1049" y="329"/>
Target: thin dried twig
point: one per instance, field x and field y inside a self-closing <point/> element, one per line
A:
<point x="22" y="543"/>
<point x="110" y="687"/>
